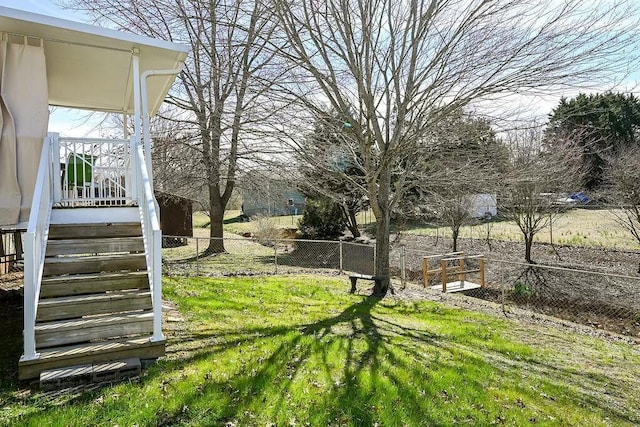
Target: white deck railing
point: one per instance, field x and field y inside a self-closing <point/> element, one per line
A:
<point x="93" y="172"/>
<point x="35" y="247"/>
<point x="150" y="219"/>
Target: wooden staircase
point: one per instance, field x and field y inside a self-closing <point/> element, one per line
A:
<point x="95" y="303"/>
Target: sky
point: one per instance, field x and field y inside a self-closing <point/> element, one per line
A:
<point x="75" y="123"/>
<point x="43" y="7"/>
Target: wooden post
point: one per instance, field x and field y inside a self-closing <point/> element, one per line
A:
<point x="2" y="256"/>
<point x="197" y="259"/>
<point x="443" y="263"/>
<point x="482" y="272"/>
<point x="275" y="256"/>
<point x="425" y="272"/>
<point x="461" y="273"/>
<point x="17" y="243"/>
<point x="403" y="266"/>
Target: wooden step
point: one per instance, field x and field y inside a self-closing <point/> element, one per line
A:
<point x="105" y="351"/>
<point x="80" y="284"/>
<point x="93" y="264"/>
<point x="117" y="370"/>
<point x="70" y="307"/>
<point x="94" y="230"/>
<point x="94" y="246"/>
<point x="55" y="334"/>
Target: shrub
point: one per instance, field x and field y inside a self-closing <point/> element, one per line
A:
<point x="523" y="290"/>
<point x="266" y="229"/>
<point x="322" y="219"/>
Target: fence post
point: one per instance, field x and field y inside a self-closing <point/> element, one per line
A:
<point x="341" y="263"/>
<point x="443" y="265"/>
<point x="275" y="255"/>
<point x="197" y="258"/>
<point x="502" y="288"/>
<point x="482" y="272"/>
<point x="375" y="245"/>
<point x="425" y="271"/>
<point x="403" y="266"/>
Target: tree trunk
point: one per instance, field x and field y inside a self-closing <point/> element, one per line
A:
<point x="352" y="222"/>
<point x="455" y="231"/>
<point x="216" y="233"/>
<point x="528" y="244"/>
<point x="379" y="195"/>
<point x="382" y="255"/>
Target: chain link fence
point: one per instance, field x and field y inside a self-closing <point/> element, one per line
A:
<point x="194" y="256"/>
<point x="575" y="293"/>
<point x="582" y="294"/>
<point x="578" y="293"/>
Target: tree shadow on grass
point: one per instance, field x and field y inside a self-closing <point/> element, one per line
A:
<point x="370" y="369"/>
<point x="368" y="347"/>
<point x="366" y="366"/>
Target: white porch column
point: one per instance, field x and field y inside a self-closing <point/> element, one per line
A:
<point x="56" y="173"/>
<point x="137" y="107"/>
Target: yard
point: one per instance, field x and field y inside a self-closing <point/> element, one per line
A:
<point x="588" y="244"/>
<point x="299" y="350"/>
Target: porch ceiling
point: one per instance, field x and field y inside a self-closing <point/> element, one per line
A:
<point x="91" y="67"/>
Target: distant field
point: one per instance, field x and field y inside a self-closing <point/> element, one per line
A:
<point x="578" y="227"/>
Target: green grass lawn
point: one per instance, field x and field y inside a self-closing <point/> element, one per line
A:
<point x="300" y="351"/>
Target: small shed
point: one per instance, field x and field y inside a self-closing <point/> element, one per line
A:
<point x="176" y="218"/>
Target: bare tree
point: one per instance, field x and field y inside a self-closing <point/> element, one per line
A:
<point x="622" y="190"/>
<point x="464" y="159"/>
<point x="533" y="188"/>
<point x="394" y="69"/>
<point x="222" y="92"/>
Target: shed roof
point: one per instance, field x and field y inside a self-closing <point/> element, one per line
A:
<point x="91" y="67"/>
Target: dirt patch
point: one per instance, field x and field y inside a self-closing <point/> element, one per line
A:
<point x="11" y="282"/>
<point x="11" y="319"/>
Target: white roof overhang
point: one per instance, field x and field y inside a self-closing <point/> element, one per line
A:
<point x="91" y="67"/>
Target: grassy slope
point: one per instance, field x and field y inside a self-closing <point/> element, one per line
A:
<point x="295" y="351"/>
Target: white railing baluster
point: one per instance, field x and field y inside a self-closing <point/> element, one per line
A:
<point x="30" y="300"/>
<point x="55" y="163"/>
<point x="35" y="246"/>
<point x="97" y="172"/>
